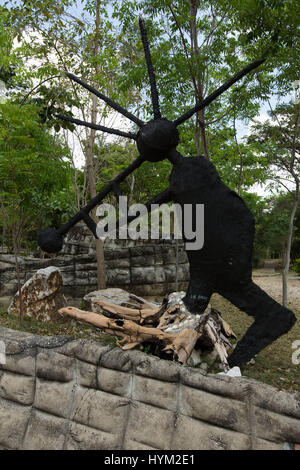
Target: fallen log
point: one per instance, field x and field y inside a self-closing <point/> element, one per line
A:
<point x="171" y="326"/>
<point x="141" y="315"/>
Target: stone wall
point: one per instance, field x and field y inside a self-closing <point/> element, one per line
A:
<point x="61" y="393"/>
<point x="144" y="267"/>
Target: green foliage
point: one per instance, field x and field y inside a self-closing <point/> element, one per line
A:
<point x="149" y="179"/>
<point x="230" y="34"/>
<point x="239" y="167"/>
<point x="296" y="266"/>
<point x="34" y="169"/>
<point x="272" y="223"/>
<point x="277" y="141"/>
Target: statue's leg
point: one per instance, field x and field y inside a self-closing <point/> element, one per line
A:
<point x="271" y="320"/>
<point x="198" y="294"/>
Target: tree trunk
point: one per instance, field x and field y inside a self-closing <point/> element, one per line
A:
<point x="3" y="228"/>
<point x="101" y="274"/>
<point x="200" y="131"/>
<point x="18" y="275"/>
<point x="197" y="138"/>
<point x="203" y="135"/>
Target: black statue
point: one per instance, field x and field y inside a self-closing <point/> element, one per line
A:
<point x="224" y="264"/>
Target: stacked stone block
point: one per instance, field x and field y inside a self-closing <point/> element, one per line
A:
<point x="146" y="268"/>
<point x="61" y="393"/>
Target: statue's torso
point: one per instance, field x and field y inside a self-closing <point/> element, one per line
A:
<point x="228" y="223"/>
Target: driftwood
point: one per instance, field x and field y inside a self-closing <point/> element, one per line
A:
<point x="171" y="326"/>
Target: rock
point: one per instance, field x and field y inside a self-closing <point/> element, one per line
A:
<point x="145" y="267"/>
<point x="194" y="359"/>
<point x="117" y="297"/>
<point x="42" y="295"/>
<point x="251" y="362"/>
<point x="210" y="357"/>
<point x="234" y="372"/>
<point x="4" y="302"/>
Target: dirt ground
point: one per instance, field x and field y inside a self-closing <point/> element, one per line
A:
<point x="272" y="284"/>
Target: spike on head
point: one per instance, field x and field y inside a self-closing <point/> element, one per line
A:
<point x="151" y="73"/>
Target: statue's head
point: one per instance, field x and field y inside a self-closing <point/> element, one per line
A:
<point x="156" y="139"/>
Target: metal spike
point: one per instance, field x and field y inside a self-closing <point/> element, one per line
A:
<point x="218" y="92"/>
<point x="151" y="74"/>
<point x="107" y="100"/>
<point x="96" y="126"/>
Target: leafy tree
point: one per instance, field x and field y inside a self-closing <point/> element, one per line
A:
<point x="196" y="45"/>
<point x="85" y="46"/>
<point x="272" y="26"/>
<point x="295" y="251"/>
<point x="296" y="266"/>
<point x="34" y="170"/>
<point x="274" y="226"/>
<point x="237" y="164"/>
<point x="271" y="227"/>
<point x="278" y="141"/>
<point x="31" y="166"/>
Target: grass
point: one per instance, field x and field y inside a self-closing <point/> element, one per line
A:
<point x="59" y="328"/>
<point x="273" y="365"/>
